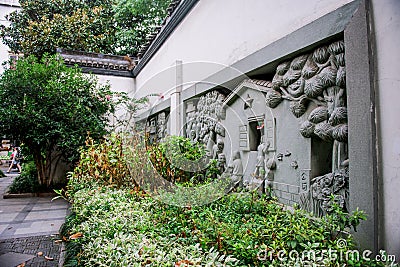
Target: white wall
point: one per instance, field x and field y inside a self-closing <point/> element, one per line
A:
<point x="386" y="17"/>
<point x="118" y="84"/>
<point x="4" y="10"/>
<point x="219" y="33"/>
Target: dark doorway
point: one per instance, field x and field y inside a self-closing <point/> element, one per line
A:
<point x="254" y="135"/>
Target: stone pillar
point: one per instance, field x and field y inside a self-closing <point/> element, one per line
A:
<point x="386" y="17"/>
<point x="176" y="107"/>
<point x="363" y="181"/>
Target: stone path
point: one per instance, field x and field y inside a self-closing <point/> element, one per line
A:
<point x="28" y="226"/>
<point x="15" y="251"/>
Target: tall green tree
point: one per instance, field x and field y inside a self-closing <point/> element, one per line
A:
<point x="135" y="20"/>
<point x="41" y="26"/>
<point x="106" y="26"/>
<point x="51" y="108"/>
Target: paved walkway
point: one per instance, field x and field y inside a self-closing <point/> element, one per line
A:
<point x="29" y="226"/>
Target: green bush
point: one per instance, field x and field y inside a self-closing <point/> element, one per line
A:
<point x="180" y="161"/>
<point x="27" y="182"/>
<point x="2" y="174"/>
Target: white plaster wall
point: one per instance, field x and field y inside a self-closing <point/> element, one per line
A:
<point x="117" y="83"/>
<point x="4" y="10"/>
<point x="219" y="33"/>
<point x="386" y="17"/>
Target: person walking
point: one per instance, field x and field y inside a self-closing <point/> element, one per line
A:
<point x="15" y="160"/>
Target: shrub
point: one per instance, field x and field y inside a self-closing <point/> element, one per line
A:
<point x="27" y="182"/>
<point x="57" y="105"/>
<point x="179" y="160"/>
<point x="101" y="163"/>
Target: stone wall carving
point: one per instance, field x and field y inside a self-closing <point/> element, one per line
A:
<point x="203" y="124"/>
<point x="318" y="80"/>
<point x="235" y="169"/>
<point x="318" y="199"/>
<point x="156" y="127"/>
<point x="314" y="87"/>
<point x="161" y="126"/>
<point x="266" y="163"/>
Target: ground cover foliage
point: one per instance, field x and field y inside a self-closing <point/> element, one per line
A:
<point x="115" y="223"/>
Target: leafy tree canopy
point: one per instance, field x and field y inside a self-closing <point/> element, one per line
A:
<point x="51" y="108"/>
<point x="136" y="19"/>
<point x="107" y="26"/>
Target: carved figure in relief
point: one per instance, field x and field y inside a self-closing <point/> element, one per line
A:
<point x="218" y="107"/>
<point x="270" y="166"/>
<point x="161" y="126"/>
<point x="262" y="150"/>
<point x="221" y="164"/>
<point x="217" y="149"/>
<point x="189" y="124"/>
<point x="193" y="136"/>
<point x="322" y="187"/>
<point x="235" y="169"/>
<point x="204" y="134"/>
<point x="153" y="127"/>
<point x="219" y="130"/>
<point x="210" y="143"/>
<point x="264" y="166"/>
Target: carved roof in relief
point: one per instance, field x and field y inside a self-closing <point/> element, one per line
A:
<point x="259" y="85"/>
<point x="96" y="60"/>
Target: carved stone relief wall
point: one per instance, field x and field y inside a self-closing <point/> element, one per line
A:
<point x="251" y="145"/>
<point x="288" y="134"/>
<point x="203" y="118"/>
<point x="156" y="127"/>
<point x="318" y="79"/>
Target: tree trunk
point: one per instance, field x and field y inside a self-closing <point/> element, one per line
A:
<point x="40" y="166"/>
<point x="57" y="167"/>
<point x="51" y="169"/>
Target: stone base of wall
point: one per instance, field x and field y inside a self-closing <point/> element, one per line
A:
<point x="287" y="194"/>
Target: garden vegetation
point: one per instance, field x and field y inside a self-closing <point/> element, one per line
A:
<point x="115" y="223"/>
<point x="51" y="108"/>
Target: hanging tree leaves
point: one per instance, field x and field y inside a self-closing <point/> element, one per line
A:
<point x="135" y="20"/>
<point x="109" y="27"/>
